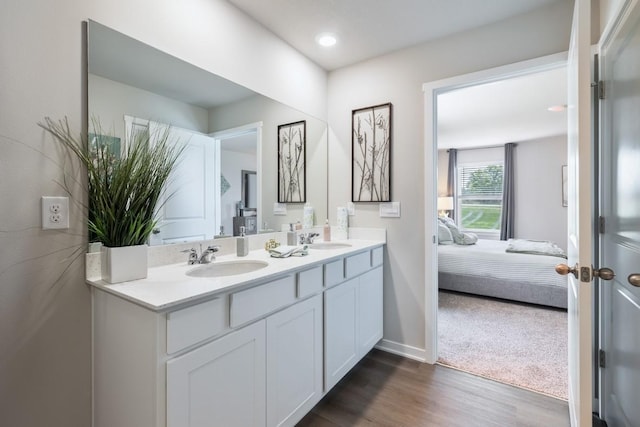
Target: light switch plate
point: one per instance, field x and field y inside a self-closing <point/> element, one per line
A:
<point x="390" y="210"/>
<point x="279" y="208"/>
<point x="55" y="213"/>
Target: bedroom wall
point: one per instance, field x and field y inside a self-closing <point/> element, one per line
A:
<point x="539" y="211"/>
<point x="45" y="307"/>
<point x="398" y="78"/>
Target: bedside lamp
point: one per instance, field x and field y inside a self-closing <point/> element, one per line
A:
<point x="445" y="204"/>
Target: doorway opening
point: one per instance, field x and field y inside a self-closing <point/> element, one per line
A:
<point x="489" y="309"/>
<point x="239" y="153"/>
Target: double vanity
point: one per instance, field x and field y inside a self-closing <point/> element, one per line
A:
<point x="251" y="341"/>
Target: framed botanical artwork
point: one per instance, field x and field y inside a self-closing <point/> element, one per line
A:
<point x="371" y="154"/>
<point x="292" y="184"/>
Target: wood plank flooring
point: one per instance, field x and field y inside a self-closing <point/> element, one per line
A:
<point x="389" y="390"/>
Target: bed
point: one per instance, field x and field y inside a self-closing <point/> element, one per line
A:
<point x="485" y="268"/>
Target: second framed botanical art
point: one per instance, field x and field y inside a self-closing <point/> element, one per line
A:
<point x="292" y="186"/>
<point x="371" y="154"/>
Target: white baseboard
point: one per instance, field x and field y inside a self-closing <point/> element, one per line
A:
<point x="404" y="350"/>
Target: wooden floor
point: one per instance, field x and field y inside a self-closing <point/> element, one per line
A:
<point x="388" y="390"/>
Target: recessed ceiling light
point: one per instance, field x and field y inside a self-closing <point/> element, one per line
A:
<point x="326" y="39"/>
<point x="557" y="108"/>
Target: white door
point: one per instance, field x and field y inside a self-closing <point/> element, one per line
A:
<point x="294" y="362"/>
<point x="580" y="211"/>
<point x="620" y="242"/>
<point x="188" y="213"/>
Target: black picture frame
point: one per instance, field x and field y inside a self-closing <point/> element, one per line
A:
<point x="292" y="162"/>
<point x="371" y="137"/>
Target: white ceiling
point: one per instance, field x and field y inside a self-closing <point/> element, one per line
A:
<point x="505" y="111"/>
<point x="484" y="115"/>
<point x="369" y="28"/>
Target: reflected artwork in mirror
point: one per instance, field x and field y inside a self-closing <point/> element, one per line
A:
<point x="230" y="130"/>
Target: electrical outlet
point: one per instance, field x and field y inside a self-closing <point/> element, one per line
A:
<point x="55" y="212"/>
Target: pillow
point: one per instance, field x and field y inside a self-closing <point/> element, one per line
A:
<point x="469" y="239"/>
<point x="458" y="236"/>
<point x="444" y="235"/>
<point x="453" y="228"/>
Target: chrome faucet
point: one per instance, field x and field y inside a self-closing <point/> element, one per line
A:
<point x="207" y="256"/>
<point x="307" y="239"/>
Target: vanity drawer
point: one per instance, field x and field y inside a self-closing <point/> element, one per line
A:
<point x="254" y="303"/>
<point x="309" y="282"/>
<point x="194" y="324"/>
<point x="333" y="273"/>
<point x="357" y="264"/>
<point x="376" y="257"/>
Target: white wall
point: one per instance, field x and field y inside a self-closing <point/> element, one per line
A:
<point x="45" y="322"/>
<point x="398" y="78"/>
<point x="539" y="214"/>
<point x="539" y="211"/>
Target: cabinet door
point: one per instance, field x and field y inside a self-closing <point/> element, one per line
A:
<point x="340" y="322"/>
<point x="294" y="362"/>
<point x="369" y="310"/>
<point x="221" y="383"/>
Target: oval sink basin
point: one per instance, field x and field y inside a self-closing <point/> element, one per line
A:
<point x="226" y="268"/>
<point x="329" y="245"/>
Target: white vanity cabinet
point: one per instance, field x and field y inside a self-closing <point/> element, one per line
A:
<point x="259" y="354"/>
<point x="353" y="315"/>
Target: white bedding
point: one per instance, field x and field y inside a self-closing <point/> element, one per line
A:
<point x="489" y="259"/>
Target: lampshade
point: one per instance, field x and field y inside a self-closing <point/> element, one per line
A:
<point x="445" y="203"/>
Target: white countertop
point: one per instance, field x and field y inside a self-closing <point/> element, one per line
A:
<point x="168" y="287"/>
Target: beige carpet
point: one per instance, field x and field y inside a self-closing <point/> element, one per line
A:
<point x="513" y="343"/>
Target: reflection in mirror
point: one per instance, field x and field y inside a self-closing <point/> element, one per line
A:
<point x="249" y="188"/>
<point x="229" y="128"/>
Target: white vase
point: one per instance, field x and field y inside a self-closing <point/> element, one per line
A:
<point x="122" y="264"/>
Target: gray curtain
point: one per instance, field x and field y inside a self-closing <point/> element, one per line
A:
<point x="451" y="179"/>
<point x="507" y="226"/>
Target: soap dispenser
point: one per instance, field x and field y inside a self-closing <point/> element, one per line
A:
<point x="242" y="243"/>
<point x="292" y="237"/>
<point x="327" y="231"/>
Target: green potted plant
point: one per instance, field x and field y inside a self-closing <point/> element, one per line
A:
<point x="124" y="189"/>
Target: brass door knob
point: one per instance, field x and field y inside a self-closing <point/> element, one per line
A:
<point x="564" y="269"/>
<point x="634" y="279"/>
<point x="604" y="273"/>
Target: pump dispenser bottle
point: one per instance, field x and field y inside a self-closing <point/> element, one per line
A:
<point x="242" y="243"/>
<point x="327" y="231"/>
<point x="292" y="237"/>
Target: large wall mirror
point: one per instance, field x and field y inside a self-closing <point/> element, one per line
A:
<point x="231" y="131"/>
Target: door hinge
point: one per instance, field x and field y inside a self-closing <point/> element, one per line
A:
<point x="601" y="225"/>
<point x="600" y="89"/>
<point x="601" y="358"/>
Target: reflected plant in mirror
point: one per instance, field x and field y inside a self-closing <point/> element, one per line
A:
<point x="229" y="128"/>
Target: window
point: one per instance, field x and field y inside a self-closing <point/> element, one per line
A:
<point x="480" y="196"/>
